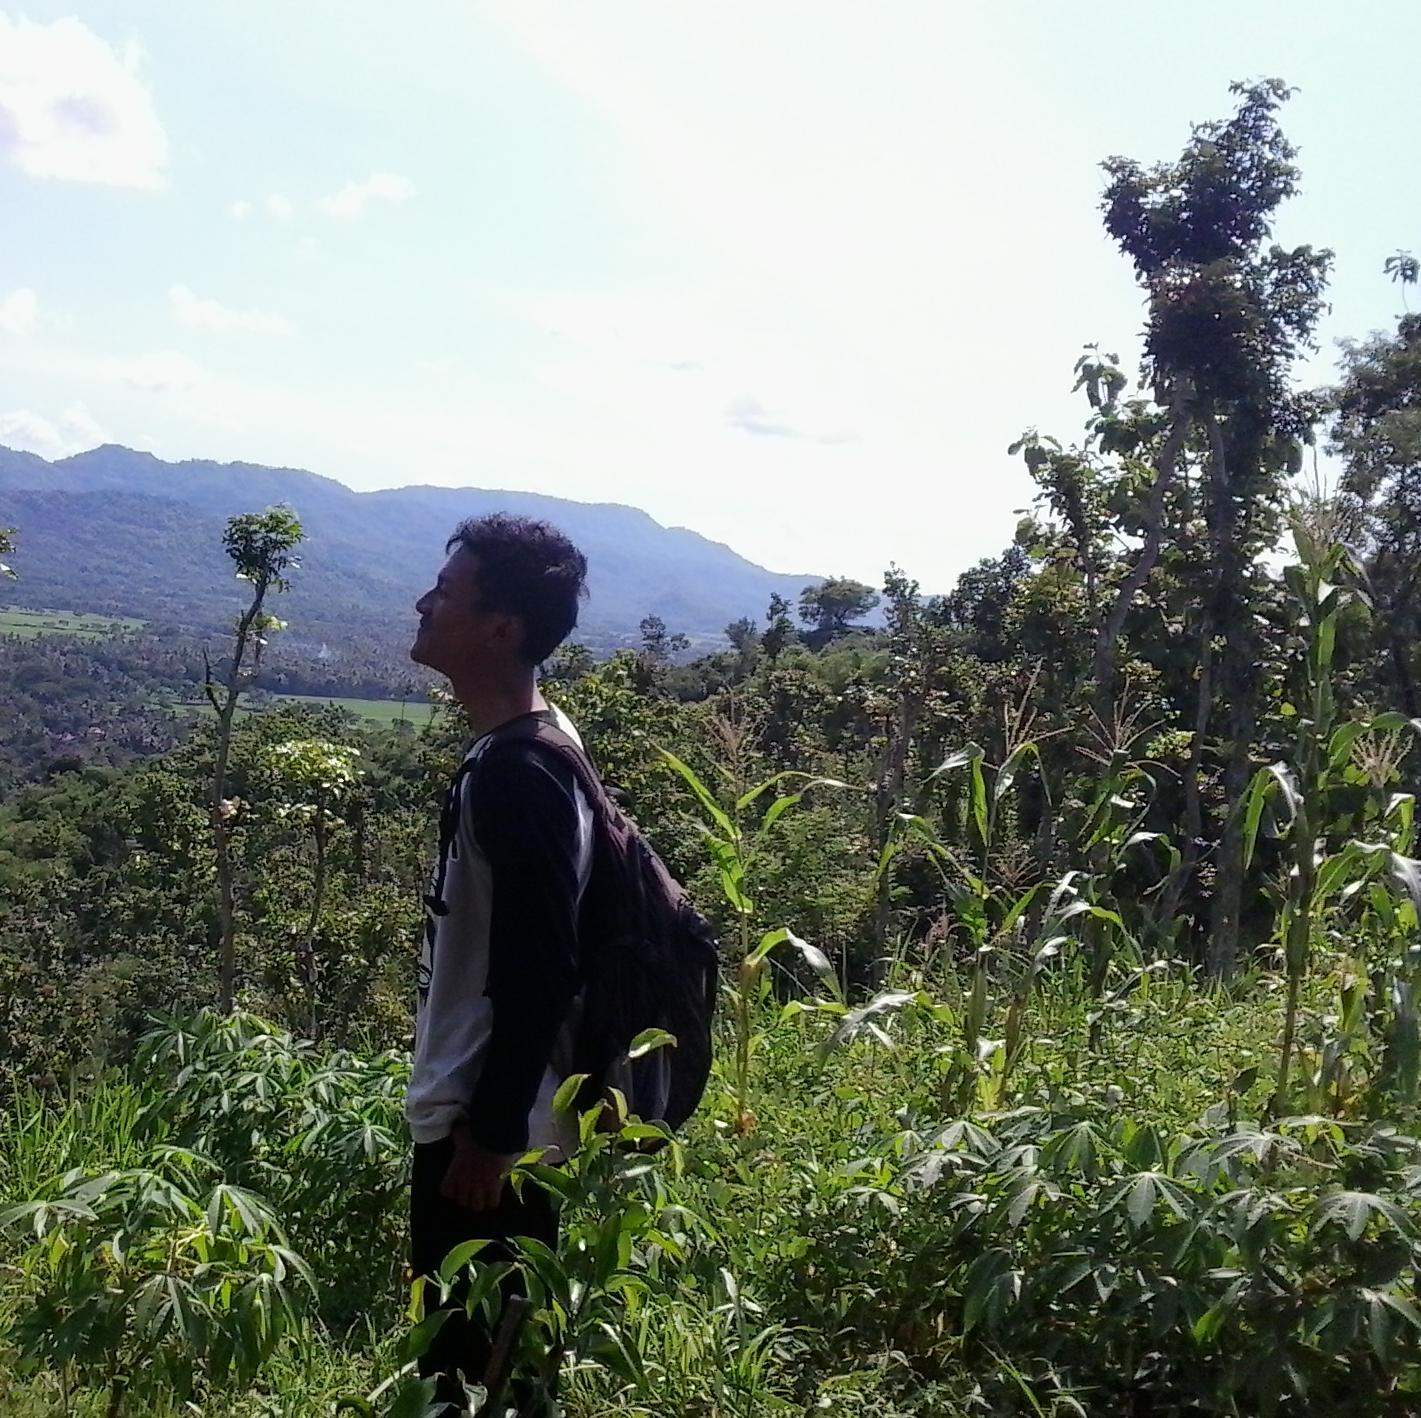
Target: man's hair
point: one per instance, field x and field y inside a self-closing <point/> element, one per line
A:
<point x="528" y="569"/>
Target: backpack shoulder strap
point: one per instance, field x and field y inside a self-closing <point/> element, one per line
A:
<point x="534" y="728"/>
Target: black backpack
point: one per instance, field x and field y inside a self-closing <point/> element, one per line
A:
<point x="648" y="959"/>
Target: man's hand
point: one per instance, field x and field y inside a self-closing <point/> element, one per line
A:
<point x="474" y="1178"/>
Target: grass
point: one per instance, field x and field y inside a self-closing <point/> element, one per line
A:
<point x="31" y="624"/>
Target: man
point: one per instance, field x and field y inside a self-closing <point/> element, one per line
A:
<point x="499" y="965"/>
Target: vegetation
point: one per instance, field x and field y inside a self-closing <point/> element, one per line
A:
<point x="1070" y="1060"/>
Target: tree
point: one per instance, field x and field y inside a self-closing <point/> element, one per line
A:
<point x="1228" y="314"/>
<point x="741" y="633"/>
<point x="7" y="548"/>
<point x="658" y="646"/>
<point x="1403" y="268"/>
<point x="829" y="607"/>
<point x="1377" y="431"/>
<point x="779" y="628"/>
<point x="316" y="778"/>
<point x="262" y="545"/>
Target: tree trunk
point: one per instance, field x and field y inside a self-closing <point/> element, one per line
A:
<point x="1238" y="686"/>
<point x="888" y="796"/>
<point x="1193" y="804"/>
<point x="226" y="914"/>
<point x="1107" y="638"/>
<point x="1401" y="647"/>
<point x="226" y="708"/>
<point x="318" y="896"/>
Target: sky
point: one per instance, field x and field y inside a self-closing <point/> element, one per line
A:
<point x="791" y="274"/>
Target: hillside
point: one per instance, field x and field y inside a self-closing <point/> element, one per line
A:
<point x="123" y="532"/>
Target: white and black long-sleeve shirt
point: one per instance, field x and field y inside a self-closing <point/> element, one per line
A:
<point x="498" y="969"/>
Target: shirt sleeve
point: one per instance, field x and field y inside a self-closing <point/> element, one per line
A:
<point x="524" y="818"/>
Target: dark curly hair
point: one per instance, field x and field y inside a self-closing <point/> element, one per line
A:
<point x="528" y="569"/>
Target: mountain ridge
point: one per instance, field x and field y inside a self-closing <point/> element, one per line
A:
<point x="124" y="531"/>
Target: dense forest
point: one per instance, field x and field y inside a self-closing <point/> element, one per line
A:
<point x="1071" y="1049"/>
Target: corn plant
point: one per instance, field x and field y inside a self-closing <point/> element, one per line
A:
<point x="1016" y="936"/>
<point x="735" y="850"/>
<point x="1319" y="880"/>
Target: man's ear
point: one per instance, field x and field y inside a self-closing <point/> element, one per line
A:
<point x="506" y="632"/>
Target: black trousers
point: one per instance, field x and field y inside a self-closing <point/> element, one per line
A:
<point x="437" y="1225"/>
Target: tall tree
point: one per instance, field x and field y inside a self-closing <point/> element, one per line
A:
<point x="7" y="548"/>
<point x="1228" y="313"/>
<point x="262" y="545"/>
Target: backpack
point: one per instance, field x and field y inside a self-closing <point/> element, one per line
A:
<point x="648" y="959"/>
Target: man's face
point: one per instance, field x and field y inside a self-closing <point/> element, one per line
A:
<point x="455" y="635"/>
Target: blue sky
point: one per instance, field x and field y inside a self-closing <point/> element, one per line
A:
<point x="792" y="274"/>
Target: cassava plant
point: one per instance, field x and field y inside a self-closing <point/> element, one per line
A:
<point x="154" y="1283"/>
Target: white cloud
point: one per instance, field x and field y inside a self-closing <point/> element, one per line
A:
<point x="160" y="372"/>
<point x="198" y="313"/>
<point x="281" y="208"/>
<point x="240" y="210"/>
<point x="74" y="109"/>
<point x="354" y="197"/>
<point x="19" y="312"/>
<point x="74" y="430"/>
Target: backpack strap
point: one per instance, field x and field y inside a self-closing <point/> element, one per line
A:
<point x="536" y="728"/>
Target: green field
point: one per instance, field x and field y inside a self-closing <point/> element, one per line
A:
<point x="30" y="624"/>
<point x="375" y="711"/>
<point x="378" y="711"/>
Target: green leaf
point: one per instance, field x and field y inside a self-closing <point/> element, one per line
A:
<point x="1352" y="1211"/>
<point x="567" y="1093"/>
<point x="1406" y="872"/>
<point x="703" y="794"/>
<point x="418" y="1340"/>
<point x="458" y="1258"/>
<point x="979" y="802"/>
<point x="963" y="756"/>
<point x="1006" y="774"/>
<point x="852" y="1024"/>
<point x="648" y="1041"/>
<point x="1339" y="748"/>
<point x="1276" y="777"/>
<point x="777" y="810"/>
<point x="811" y="954"/>
<point x="989" y="1284"/>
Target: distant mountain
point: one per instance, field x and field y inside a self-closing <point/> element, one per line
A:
<point x="122" y="532"/>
